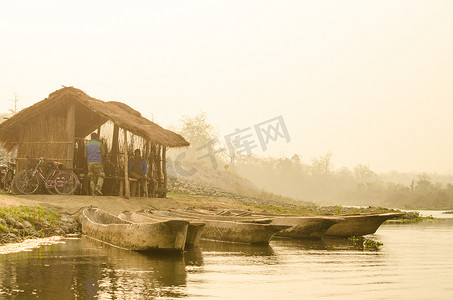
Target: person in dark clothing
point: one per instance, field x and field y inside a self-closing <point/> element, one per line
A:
<point x="94" y="154"/>
<point x="138" y="168"/>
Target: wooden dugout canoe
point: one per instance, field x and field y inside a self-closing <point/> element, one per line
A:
<point x="361" y="224"/>
<point x="205" y="215"/>
<point x="305" y="227"/>
<point x="232" y="231"/>
<point x="194" y="229"/>
<point x="166" y="235"/>
<point x="300" y="227"/>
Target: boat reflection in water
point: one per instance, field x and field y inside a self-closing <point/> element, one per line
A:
<point x="86" y="269"/>
<point x="325" y="243"/>
<point x="208" y="246"/>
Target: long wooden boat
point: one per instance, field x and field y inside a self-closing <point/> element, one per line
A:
<point x="305" y="227"/>
<point x="167" y="235"/>
<point x="231" y="231"/>
<point x="360" y="224"/>
<point x="300" y="227"/>
<point x="205" y="215"/>
<point x="346" y="225"/>
<point x="194" y="229"/>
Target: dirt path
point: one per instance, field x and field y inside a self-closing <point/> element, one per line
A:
<point x="114" y="205"/>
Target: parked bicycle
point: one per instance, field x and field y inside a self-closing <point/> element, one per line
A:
<point x="57" y="180"/>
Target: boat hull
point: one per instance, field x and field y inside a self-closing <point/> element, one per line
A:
<point x="236" y="232"/>
<point x="167" y="236"/>
<point x="356" y="225"/>
<point x="194" y="229"/>
<point x="232" y="231"/>
<point x="305" y="227"/>
<point x="300" y="227"/>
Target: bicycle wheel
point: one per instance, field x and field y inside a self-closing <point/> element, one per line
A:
<point x="26" y="182"/>
<point x="50" y="183"/>
<point x="66" y="182"/>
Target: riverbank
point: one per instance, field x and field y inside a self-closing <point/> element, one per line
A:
<point x="19" y="223"/>
<point x="32" y="216"/>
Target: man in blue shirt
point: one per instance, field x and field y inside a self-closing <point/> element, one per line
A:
<point x="94" y="153"/>
<point x="138" y="168"/>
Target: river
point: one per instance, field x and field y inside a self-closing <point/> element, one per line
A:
<point x="415" y="262"/>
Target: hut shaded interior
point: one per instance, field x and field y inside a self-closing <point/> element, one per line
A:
<point x="58" y="127"/>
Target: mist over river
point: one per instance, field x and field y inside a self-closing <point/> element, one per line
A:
<point x="415" y="262"/>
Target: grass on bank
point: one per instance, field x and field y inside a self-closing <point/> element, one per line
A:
<point x="40" y="218"/>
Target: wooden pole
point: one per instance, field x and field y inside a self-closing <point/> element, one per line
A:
<point x="115" y="145"/>
<point x="70" y="127"/>
<point x="146" y="150"/>
<point x="151" y="161"/>
<point x="159" y="171"/>
<point x="164" y="170"/>
<point x="127" y="190"/>
<point x="151" y="170"/>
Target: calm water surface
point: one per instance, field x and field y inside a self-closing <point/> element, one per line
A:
<point x="416" y="262"/>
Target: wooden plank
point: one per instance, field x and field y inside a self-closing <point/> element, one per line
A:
<point x="49" y="142"/>
<point x="56" y="159"/>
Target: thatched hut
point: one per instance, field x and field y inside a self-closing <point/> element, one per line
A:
<point x="57" y="127"/>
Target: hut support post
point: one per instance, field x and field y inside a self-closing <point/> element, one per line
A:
<point x="152" y="170"/>
<point x="146" y="150"/>
<point x="70" y="127"/>
<point x="115" y="145"/>
<point x="159" y="171"/>
<point x="164" y="171"/>
<point x="127" y="190"/>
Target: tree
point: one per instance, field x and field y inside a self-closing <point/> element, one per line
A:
<point x="197" y="130"/>
<point x="322" y="165"/>
<point x="203" y="139"/>
<point x="423" y="181"/>
<point x="364" y="176"/>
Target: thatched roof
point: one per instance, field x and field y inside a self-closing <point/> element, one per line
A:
<point x="90" y="114"/>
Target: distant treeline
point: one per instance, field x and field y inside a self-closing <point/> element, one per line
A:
<point x="317" y="181"/>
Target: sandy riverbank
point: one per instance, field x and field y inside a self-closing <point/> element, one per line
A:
<point x="25" y="217"/>
<point x="115" y="205"/>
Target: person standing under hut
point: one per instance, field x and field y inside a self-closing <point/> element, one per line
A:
<point x="94" y="154"/>
<point x="138" y="169"/>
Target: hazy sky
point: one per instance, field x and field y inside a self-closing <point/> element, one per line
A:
<point x="369" y="81"/>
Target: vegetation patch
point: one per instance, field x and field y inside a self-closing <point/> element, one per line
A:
<point x="295" y="208"/>
<point x="411" y="217"/>
<point x="366" y="243"/>
<point x="22" y="222"/>
<point x="38" y="216"/>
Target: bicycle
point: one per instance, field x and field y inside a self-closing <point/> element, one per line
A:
<point x="61" y="181"/>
